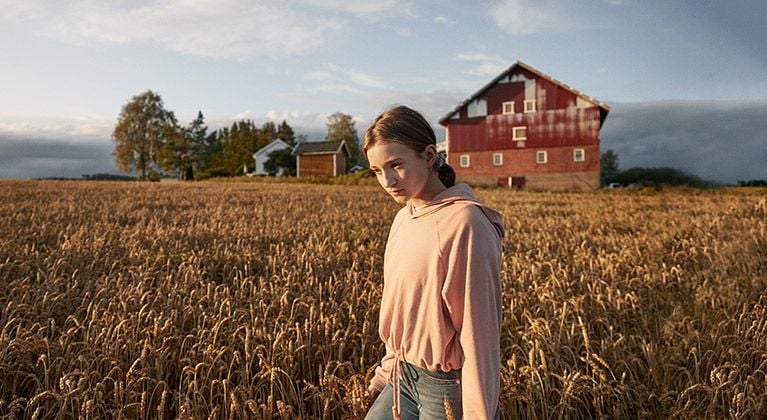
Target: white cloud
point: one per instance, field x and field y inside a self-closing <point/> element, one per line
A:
<point x="229" y="29"/>
<point x="340" y="79"/>
<point x="485" y="65"/>
<point x="443" y="20"/>
<point x="524" y="17"/>
<point x="359" y="7"/>
<point x="56" y="127"/>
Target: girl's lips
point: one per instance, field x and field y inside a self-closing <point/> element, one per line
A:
<point x="395" y="192"/>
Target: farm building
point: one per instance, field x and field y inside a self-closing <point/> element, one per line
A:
<point x="322" y="158"/>
<point x="527" y="130"/>
<point x="262" y="155"/>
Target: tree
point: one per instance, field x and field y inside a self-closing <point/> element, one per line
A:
<point x="142" y="128"/>
<point x="183" y="152"/>
<point x="240" y="141"/>
<point x="657" y="177"/>
<point x="341" y="127"/>
<point x="285" y="133"/>
<point x="281" y="161"/>
<point x="608" y="170"/>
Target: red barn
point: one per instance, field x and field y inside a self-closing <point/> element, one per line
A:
<point x="526" y="129"/>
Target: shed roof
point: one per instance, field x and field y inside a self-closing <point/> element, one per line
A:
<point x="321" y="148"/>
<point x="604" y="109"/>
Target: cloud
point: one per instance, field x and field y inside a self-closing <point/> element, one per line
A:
<point x="339" y="79"/>
<point x="720" y="141"/>
<point x="364" y="8"/>
<point x="485" y="65"/>
<point x="229" y="29"/>
<point x="523" y="17"/>
<point x="441" y="19"/>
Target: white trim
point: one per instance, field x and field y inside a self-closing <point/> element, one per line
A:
<point x="467" y="161"/>
<point x="503" y="107"/>
<point x="447" y="144"/>
<point x="575" y="155"/>
<point x="533" y="108"/>
<point x="538" y="155"/>
<point x="298" y="165"/>
<point x="516" y="137"/>
<point x="335" y="166"/>
<point x="500" y="159"/>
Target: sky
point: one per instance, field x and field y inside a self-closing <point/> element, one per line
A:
<point x="686" y="81"/>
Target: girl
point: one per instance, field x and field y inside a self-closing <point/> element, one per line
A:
<point x="441" y="308"/>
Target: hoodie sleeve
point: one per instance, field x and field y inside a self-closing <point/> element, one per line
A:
<point x="472" y="295"/>
<point x="381" y="377"/>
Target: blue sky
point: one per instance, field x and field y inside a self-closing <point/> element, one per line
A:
<point x="68" y="67"/>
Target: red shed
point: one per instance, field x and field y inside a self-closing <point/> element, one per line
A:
<point x="526" y="129"/>
<point x="321" y="158"/>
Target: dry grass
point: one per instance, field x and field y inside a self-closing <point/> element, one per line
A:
<point x="124" y="300"/>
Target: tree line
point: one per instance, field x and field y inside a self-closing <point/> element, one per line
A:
<point x="150" y="141"/>
<point x="646" y="177"/>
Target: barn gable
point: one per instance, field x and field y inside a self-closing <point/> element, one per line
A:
<point x="519" y="81"/>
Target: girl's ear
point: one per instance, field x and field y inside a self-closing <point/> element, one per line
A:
<point x="430" y="155"/>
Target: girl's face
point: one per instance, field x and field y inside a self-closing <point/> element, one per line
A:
<point x="402" y="172"/>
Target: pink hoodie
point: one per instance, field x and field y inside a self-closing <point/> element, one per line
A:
<point x="441" y="306"/>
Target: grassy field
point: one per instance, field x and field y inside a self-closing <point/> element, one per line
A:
<point x="211" y="300"/>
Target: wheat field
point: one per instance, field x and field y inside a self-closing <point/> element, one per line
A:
<point x="240" y="300"/>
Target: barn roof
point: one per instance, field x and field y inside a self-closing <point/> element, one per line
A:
<point x="320" y="148"/>
<point x="604" y="109"/>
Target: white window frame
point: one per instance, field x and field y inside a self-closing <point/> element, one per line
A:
<point x="503" y="108"/>
<point x="575" y="155"/>
<point x="538" y="155"/>
<point x="497" y="159"/>
<point x="515" y="136"/>
<point x="465" y="161"/>
<point x="530" y="106"/>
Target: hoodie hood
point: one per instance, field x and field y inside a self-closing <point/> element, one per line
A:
<point x="457" y="194"/>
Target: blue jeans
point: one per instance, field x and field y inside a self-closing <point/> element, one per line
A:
<point x="423" y="394"/>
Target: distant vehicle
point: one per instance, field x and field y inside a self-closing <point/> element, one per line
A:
<point x="614" y="185"/>
<point x="356" y="168"/>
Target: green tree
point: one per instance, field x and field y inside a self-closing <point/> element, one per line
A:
<point x="175" y="154"/>
<point x="608" y="167"/>
<point x="282" y="159"/>
<point x="285" y="133"/>
<point x="341" y="127"/>
<point x="183" y="153"/>
<point x="143" y="126"/>
<point x="239" y="141"/>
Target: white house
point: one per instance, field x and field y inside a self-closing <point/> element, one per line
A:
<point x="262" y="155"/>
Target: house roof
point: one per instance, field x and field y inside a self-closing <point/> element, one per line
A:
<point x="321" y="148"/>
<point x="604" y="109"/>
<point x="275" y="145"/>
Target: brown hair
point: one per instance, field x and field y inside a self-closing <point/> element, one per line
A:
<point x="407" y="126"/>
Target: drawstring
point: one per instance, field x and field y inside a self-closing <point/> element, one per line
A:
<point x="394" y="378"/>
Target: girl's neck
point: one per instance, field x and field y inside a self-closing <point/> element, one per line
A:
<point x="432" y="188"/>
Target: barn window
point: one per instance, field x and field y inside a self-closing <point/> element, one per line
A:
<point x="464" y="161"/>
<point x="530" y="105"/>
<point x="497" y="159"/>
<point x="519" y="133"/>
<point x="541" y="156"/>
<point x="578" y="155"/>
<point x="508" y="107"/>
